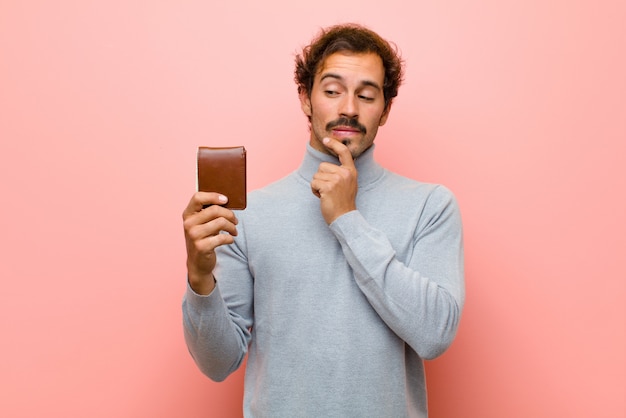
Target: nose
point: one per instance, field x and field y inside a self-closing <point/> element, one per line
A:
<point x="349" y="107"/>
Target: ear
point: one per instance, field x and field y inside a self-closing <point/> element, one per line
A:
<point x="305" y="103"/>
<point x="385" y="115"/>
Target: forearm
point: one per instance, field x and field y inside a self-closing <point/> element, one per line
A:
<point x="216" y="341"/>
<point x="421" y="301"/>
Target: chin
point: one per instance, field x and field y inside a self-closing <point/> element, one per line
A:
<point x="357" y="150"/>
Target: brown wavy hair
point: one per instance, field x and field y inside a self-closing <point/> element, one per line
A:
<point x="352" y="38"/>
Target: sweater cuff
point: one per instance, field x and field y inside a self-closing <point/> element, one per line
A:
<point x="348" y="226"/>
<point x="203" y="302"/>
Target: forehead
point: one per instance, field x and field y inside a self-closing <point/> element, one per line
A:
<point x="355" y="67"/>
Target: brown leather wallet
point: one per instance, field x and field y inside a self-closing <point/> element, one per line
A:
<point x="223" y="170"/>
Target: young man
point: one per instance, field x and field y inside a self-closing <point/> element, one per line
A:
<point x="339" y="279"/>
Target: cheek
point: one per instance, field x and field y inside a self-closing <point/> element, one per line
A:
<point x="378" y="118"/>
<point x="319" y="120"/>
<point x="321" y="108"/>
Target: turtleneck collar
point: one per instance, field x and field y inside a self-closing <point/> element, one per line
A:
<point x="369" y="170"/>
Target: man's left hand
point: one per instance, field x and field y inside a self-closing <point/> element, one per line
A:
<point x="336" y="185"/>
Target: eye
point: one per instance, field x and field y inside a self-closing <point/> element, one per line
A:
<point x="331" y="93"/>
<point x="366" y="98"/>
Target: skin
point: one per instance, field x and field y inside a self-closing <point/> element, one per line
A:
<point x="348" y="87"/>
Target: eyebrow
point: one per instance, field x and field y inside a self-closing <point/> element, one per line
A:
<point x="340" y="78"/>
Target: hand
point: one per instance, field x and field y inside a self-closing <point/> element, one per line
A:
<point x="336" y="185"/>
<point x="203" y="225"/>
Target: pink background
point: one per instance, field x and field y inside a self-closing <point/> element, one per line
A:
<point x="518" y="107"/>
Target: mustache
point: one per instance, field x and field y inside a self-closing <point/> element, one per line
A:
<point x="351" y="123"/>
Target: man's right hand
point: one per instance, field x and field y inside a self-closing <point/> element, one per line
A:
<point x="203" y="220"/>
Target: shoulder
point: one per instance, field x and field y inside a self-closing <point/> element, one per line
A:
<point x="415" y="187"/>
<point x="430" y="199"/>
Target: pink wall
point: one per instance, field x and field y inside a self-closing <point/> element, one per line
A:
<point x="519" y="108"/>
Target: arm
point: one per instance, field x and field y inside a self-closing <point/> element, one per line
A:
<point x="421" y="301"/>
<point x="217" y="338"/>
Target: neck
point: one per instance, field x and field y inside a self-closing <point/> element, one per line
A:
<point x="369" y="170"/>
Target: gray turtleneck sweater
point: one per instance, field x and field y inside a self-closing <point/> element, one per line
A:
<point x="335" y="319"/>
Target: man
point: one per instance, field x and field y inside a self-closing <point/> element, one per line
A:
<point x="339" y="279"/>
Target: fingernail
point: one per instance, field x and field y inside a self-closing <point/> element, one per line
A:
<point x="326" y="140"/>
<point x="223" y="199"/>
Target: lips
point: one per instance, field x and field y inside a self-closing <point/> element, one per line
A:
<point x="345" y="130"/>
<point x="344" y="134"/>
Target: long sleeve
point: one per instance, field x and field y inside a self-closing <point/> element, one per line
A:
<point x="217" y="326"/>
<point x="421" y="299"/>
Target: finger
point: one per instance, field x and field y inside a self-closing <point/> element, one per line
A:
<point x="211" y="228"/>
<point x="342" y="151"/>
<point x="206" y="246"/>
<point x="215" y="211"/>
<point x="327" y="172"/>
<point x="210" y="221"/>
<point x="323" y="178"/>
<point x="219" y="239"/>
<point x="316" y="187"/>
<point x="201" y="200"/>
